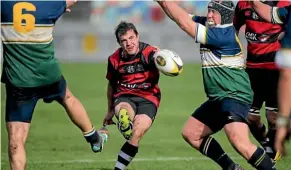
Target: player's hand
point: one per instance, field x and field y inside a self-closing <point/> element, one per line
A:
<point x="280" y="139"/>
<point x="70" y="3"/>
<point x="108" y="119"/>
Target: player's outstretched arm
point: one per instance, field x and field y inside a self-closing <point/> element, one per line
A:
<point x="180" y="16"/>
<point x="110" y="112"/>
<point x="271" y="14"/>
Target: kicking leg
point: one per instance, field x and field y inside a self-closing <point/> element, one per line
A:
<point x="128" y="151"/>
<point x="124" y="111"/>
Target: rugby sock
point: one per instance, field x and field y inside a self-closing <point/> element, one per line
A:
<point x="92" y="136"/>
<point x="261" y="161"/>
<point x="211" y="148"/>
<point x="259" y="133"/>
<point x="125" y="156"/>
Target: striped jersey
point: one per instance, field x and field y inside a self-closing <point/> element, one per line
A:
<point x="223" y="62"/>
<point x="262" y="36"/>
<point x="27" y="37"/>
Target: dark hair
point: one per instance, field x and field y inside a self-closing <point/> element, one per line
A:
<point x="122" y="28"/>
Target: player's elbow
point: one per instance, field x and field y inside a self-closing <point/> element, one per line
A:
<point x="187" y="27"/>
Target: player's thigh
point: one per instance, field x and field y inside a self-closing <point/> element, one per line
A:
<point x="234" y="110"/>
<point x="203" y="122"/>
<point x="145" y="107"/>
<point x="145" y="115"/>
<point x="56" y="91"/>
<point x="125" y="102"/>
<point x="20" y="103"/>
<point x="238" y="135"/>
<point x="141" y="124"/>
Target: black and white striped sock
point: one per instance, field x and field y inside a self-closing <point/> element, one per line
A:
<point x="125" y="156"/>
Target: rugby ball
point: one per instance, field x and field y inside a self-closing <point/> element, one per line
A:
<point x="168" y="62"/>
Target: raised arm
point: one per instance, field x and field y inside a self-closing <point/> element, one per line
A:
<point x="271" y="14"/>
<point x="180" y="16"/>
<point x="263" y="10"/>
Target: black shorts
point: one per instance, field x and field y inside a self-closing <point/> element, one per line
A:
<point x="264" y="84"/>
<point x="216" y="114"/>
<point x="140" y="105"/>
<point x="21" y="101"/>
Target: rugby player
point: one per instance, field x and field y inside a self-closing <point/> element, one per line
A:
<point x="31" y="72"/>
<point x="226" y="84"/>
<point x="283" y="60"/>
<point x="263" y="43"/>
<point x="133" y="92"/>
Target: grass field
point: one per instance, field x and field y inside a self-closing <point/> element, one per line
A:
<point x="54" y="143"/>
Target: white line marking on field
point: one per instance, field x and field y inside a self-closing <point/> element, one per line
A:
<point x="158" y="159"/>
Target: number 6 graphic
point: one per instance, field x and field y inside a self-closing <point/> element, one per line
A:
<point x="18" y="17"/>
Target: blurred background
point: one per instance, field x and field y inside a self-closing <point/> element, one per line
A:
<point x="87" y="33"/>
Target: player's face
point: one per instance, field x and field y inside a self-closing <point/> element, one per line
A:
<point x="129" y="42"/>
<point x="213" y="18"/>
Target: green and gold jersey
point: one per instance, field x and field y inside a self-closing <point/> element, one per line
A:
<point x="223" y="63"/>
<point x="28" y="46"/>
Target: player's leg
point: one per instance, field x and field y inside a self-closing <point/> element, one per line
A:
<point x="271" y="108"/>
<point x="145" y="114"/>
<point x="257" y="127"/>
<point x="60" y="92"/>
<point x="237" y="132"/>
<point x="124" y="110"/>
<point x="20" y="104"/>
<point x="198" y="129"/>
<point x="284" y="93"/>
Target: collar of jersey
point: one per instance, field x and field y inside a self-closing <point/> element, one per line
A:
<point x="224" y="25"/>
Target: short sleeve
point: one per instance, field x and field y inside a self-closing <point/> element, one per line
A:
<point x="58" y="8"/>
<point x="111" y="72"/>
<point x="279" y="15"/>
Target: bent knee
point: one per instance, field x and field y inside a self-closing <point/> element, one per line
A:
<point x="122" y="105"/>
<point x="69" y="98"/>
<point x="190" y="135"/>
<point x="17" y="131"/>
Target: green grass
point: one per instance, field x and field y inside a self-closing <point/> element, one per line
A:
<point x="54" y="143"/>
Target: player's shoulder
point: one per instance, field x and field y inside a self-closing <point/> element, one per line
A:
<point x="116" y="55"/>
<point x="199" y="19"/>
<point x="146" y="49"/>
<point x="242" y="4"/>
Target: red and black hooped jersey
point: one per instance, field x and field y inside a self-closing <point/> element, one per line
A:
<point x="137" y="75"/>
<point x="262" y="36"/>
